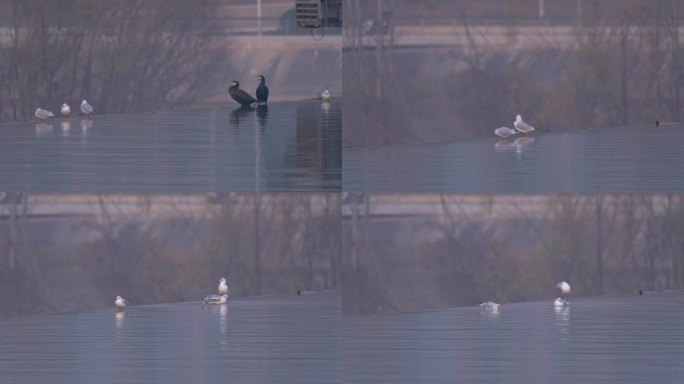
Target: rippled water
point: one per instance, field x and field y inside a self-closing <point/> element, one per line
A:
<point x="632" y="159"/>
<point x="598" y="340"/>
<point x="262" y="340"/>
<point x="290" y="146"/>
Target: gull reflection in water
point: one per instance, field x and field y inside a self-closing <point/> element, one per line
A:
<point x="223" y="325"/>
<point x="86" y="124"/>
<point x="66" y="126"/>
<point x="119" y="318"/>
<point x="521" y="143"/>
<point x="325" y="106"/>
<point x="563" y="320"/>
<point x="504" y="145"/>
<point x="43" y="130"/>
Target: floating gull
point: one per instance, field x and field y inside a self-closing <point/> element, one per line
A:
<point x="86" y="108"/>
<point x="66" y="110"/>
<point x="223" y="287"/>
<point x="324" y="95"/>
<point x="43" y="114"/>
<point x="560" y="303"/>
<point x="504" y="132"/>
<point x="522" y="126"/>
<point x="564" y="288"/>
<point x="120" y="302"/>
<point x="490" y="306"/>
<point x="215" y="299"/>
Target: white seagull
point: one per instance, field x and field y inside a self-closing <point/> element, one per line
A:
<point x="490" y="306"/>
<point x="522" y="126"/>
<point x="564" y="289"/>
<point x="120" y="302"/>
<point x="223" y="287"/>
<point x="504" y="132"/>
<point x="325" y="95"/>
<point x="215" y="299"/>
<point x="560" y="303"/>
<point x="86" y="108"/>
<point x="66" y="110"/>
<point x="43" y="114"/>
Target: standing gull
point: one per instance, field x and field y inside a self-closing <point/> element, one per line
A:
<point x="120" y="302"/>
<point x="66" y="110"/>
<point x="564" y="289"/>
<point x="504" y="132"/>
<point x="223" y="286"/>
<point x="43" y="114"/>
<point x="215" y="299"/>
<point x="86" y="108"/>
<point x="262" y="90"/>
<point x="522" y="126"/>
<point x="324" y="95"/>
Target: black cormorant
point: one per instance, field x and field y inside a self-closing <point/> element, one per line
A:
<point x="262" y="90"/>
<point x="239" y="95"/>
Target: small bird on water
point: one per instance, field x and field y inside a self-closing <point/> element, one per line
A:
<point x="43" y="114"/>
<point x="657" y="123"/>
<point x="324" y="95"/>
<point x="262" y="90"/>
<point x="522" y="126"/>
<point x="66" y="110"/>
<point x="504" y="132"/>
<point x="120" y="302"/>
<point x="243" y="98"/>
<point x="215" y="299"/>
<point x="564" y="289"/>
<point x="223" y="286"/>
<point x="86" y="108"/>
<point x="490" y="306"/>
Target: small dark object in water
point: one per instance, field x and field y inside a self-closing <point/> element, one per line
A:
<point x="242" y="97"/>
<point x="657" y="123"/>
<point x="299" y="292"/>
<point x="262" y="90"/>
<point x="641" y="291"/>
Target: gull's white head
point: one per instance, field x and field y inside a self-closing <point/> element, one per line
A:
<point x="85" y="102"/>
<point x="564" y="287"/>
<point x="222" y="280"/>
<point x="518" y="118"/>
<point x="118" y="297"/>
<point x="65" y="105"/>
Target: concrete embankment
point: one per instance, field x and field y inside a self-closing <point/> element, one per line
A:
<point x="295" y="67"/>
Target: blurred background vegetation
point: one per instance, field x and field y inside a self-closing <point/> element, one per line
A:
<point x="410" y="252"/>
<point x="122" y="55"/>
<point x="63" y="252"/>
<point x="452" y="69"/>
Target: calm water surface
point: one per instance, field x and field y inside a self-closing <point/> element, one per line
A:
<point x="631" y="159"/>
<point x="262" y="340"/>
<point x="598" y="340"/>
<point x="290" y="146"/>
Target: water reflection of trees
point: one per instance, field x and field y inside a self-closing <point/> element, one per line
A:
<point x="122" y="56"/>
<point x="510" y="249"/>
<point x="176" y="252"/>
